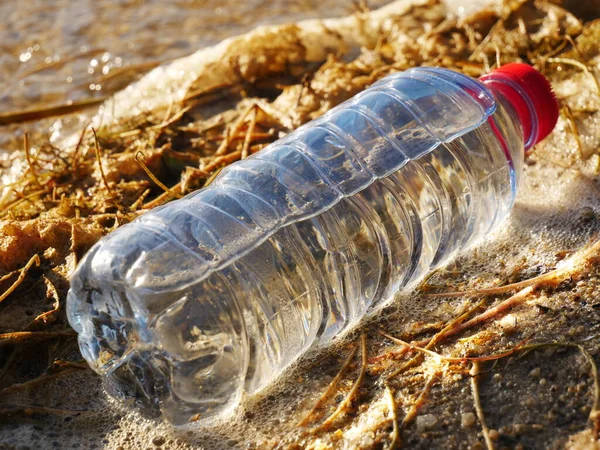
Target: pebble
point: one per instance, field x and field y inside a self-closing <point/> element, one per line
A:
<point x="535" y="373"/>
<point x="426" y="421"/>
<point x="467" y="420"/>
<point x="494" y="435"/>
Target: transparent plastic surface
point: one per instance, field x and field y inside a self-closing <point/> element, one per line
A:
<point x="215" y="294"/>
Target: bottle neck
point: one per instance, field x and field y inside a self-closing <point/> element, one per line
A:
<point x="520" y="101"/>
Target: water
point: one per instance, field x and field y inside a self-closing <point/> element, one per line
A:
<point x="213" y="295"/>
<point x="53" y="52"/>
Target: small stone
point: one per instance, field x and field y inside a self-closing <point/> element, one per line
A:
<point x="467" y="420"/>
<point x="543" y="382"/>
<point x="535" y="373"/>
<point x="497" y="377"/>
<point x="494" y="435"/>
<point x="426" y="421"/>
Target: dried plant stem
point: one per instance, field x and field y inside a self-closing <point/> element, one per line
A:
<point x="502" y="307"/>
<point x="140" y="200"/>
<point x="165" y="123"/>
<point x="557" y="50"/>
<point x="7" y="276"/>
<point x="580" y="65"/>
<point x="453" y="323"/>
<point x="222" y="160"/>
<point x="574" y="129"/>
<point x="330" y="389"/>
<point x="162" y="197"/>
<point x="461" y="359"/>
<point x="395" y="441"/>
<point x="212" y="177"/>
<point x="434" y="340"/>
<point x="478" y="409"/>
<point x="32" y="336"/>
<point x="424" y="285"/>
<point x="241" y="136"/>
<point x="414" y="409"/>
<point x="21" y="200"/>
<point x="48" y="316"/>
<point x="350" y="396"/>
<point x="29" y="160"/>
<point x="99" y="161"/>
<point x="222" y="149"/>
<point x="141" y="160"/>
<point x="75" y="157"/>
<point x="249" y="132"/>
<point x="210" y="91"/>
<point x="35" y="259"/>
<point x="32" y="115"/>
<point x="234" y="129"/>
<point x="41" y="379"/>
<point x="554" y="276"/>
<point x="479" y="49"/>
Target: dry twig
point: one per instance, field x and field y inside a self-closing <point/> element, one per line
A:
<point x="434" y="340"/>
<point x="141" y="160"/>
<point x="99" y="161"/>
<point x="477" y="401"/>
<point x="582" y="66"/>
<point x="65" y="369"/>
<point x="395" y="441"/>
<point x="35" y="259"/>
<point x="414" y="409"/>
<point x="350" y="396"/>
<point x="32" y="115"/>
<point x="50" y="315"/>
<point x="330" y="389"/>
<point x="555" y="276"/>
<point x="32" y="336"/>
<point x="249" y="132"/>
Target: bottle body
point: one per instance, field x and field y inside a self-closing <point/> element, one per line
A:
<point x="204" y="298"/>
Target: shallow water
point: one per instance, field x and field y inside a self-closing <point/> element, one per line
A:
<point x="60" y="50"/>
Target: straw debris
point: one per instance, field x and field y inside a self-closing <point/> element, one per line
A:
<point x="56" y="202"/>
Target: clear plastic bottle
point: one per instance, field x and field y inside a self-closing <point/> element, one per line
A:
<point x="213" y="295"/>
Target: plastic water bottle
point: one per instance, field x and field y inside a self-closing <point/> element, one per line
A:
<point x="208" y="297"/>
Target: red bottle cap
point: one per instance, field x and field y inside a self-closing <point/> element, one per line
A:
<point x="530" y="94"/>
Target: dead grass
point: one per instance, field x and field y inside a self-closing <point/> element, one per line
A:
<point x="116" y="172"/>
